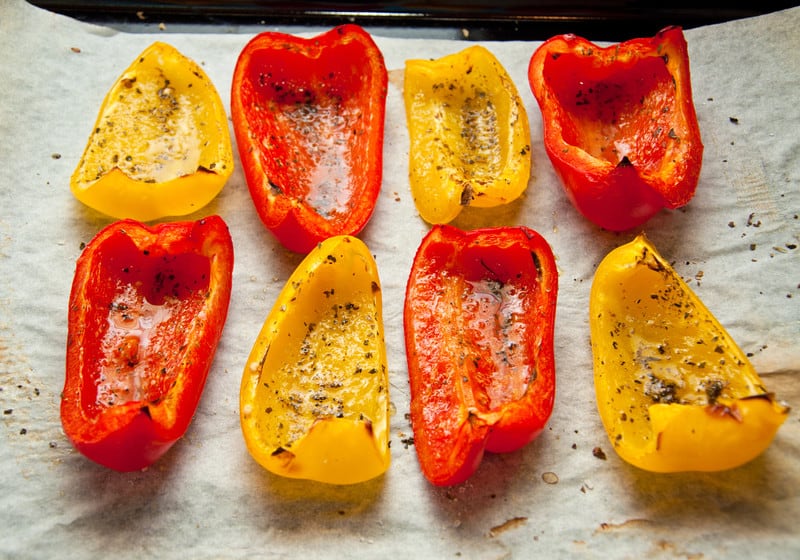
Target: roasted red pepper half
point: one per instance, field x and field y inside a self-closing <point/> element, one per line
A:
<point x="146" y="312"/>
<point x="308" y="115"/>
<point x="619" y="124"/>
<point x="479" y="319"/>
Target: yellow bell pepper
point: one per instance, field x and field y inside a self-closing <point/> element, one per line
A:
<point x="314" y="401"/>
<point x="469" y="134"/>
<point x="160" y="146"/>
<point x="674" y="391"/>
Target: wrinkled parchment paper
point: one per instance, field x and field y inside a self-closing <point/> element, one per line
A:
<point x="736" y="243"/>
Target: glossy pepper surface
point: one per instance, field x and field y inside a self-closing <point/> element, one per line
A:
<point x="308" y="115"/>
<point x="479" y="319"/>
<point x="160" y="146"/>
<point x="469" y="134"/>
<point x="314" y="400"/>
<point x="619" y="124"/>
<point x="146" y="312"/>
<point x="674" y="391"/>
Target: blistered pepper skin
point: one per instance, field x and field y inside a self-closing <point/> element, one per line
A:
<point x="469" y="134"/>
<point x="146" y="312"/>
<point x="160" y="146"/>
<point x="308" y="115"/>
<point x="674" y="391"/>
<point x="479" y="319"/>
<point x="620" y="126"/>
<point x="314" y="400"/>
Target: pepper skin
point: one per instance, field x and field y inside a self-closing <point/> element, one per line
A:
<point x="314" y="401"/>
<point x="160" y="146"/>
<point x="479" y="319"/>
<point x="674" y="391"/>
<point x="619" y="124"/>
<point x="308" y="115"/>
<point x="469" y="134"/>
<point x="146" y="312"/>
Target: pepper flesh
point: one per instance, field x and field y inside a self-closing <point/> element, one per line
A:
<point x="308" y="115"/>
<point x="469" y="134"/>
<point x="674" y="391"/>
<point x="620" y="126"/>
<point x="314" y="400"/>
<point x="146" y="312"/>
<point x="160" y="146"/>
<point x="479" y="319"/>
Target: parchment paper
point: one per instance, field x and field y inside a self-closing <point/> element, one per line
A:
<point x="736" y="243"/>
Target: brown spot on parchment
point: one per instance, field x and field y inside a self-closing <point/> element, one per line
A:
<point x="506" y="525"/>
<point x="550" y="477"/>
<point x="662" y="546"/>
<point x="627" y="524"/>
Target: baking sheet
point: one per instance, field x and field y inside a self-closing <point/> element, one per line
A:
<point x="736" y="243"/>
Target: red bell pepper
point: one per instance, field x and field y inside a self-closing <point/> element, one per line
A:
<point x="308" y="115"/>
<point x="146" y="312"/>
<point x="479" y="319"/>
<point x="619" y="124"/>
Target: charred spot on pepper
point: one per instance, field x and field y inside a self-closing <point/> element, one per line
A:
<point x="624" y="162"/>
<point x="473" y="419"/>
<point x="537" y="263"/>
<point x="660" y="390"/>
<point x="490" y="271"/>
<point x="650" y="261"/>
<point x="725" y="411"/>
<point x="209" y="169"/>
<point x="166" y="92"/>
<point x="713" y="390"/>
<point x="467" y="195"/>
<point x="367" y="423"/>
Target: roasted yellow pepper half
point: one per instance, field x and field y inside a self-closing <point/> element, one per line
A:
<point x="160" y="145"/>
<point x="469" y="134"/>
<point x="674" y="391"/>
<point x="314" y="400"/>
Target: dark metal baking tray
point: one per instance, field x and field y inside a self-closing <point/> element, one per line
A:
<point x="479" y="19"/>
